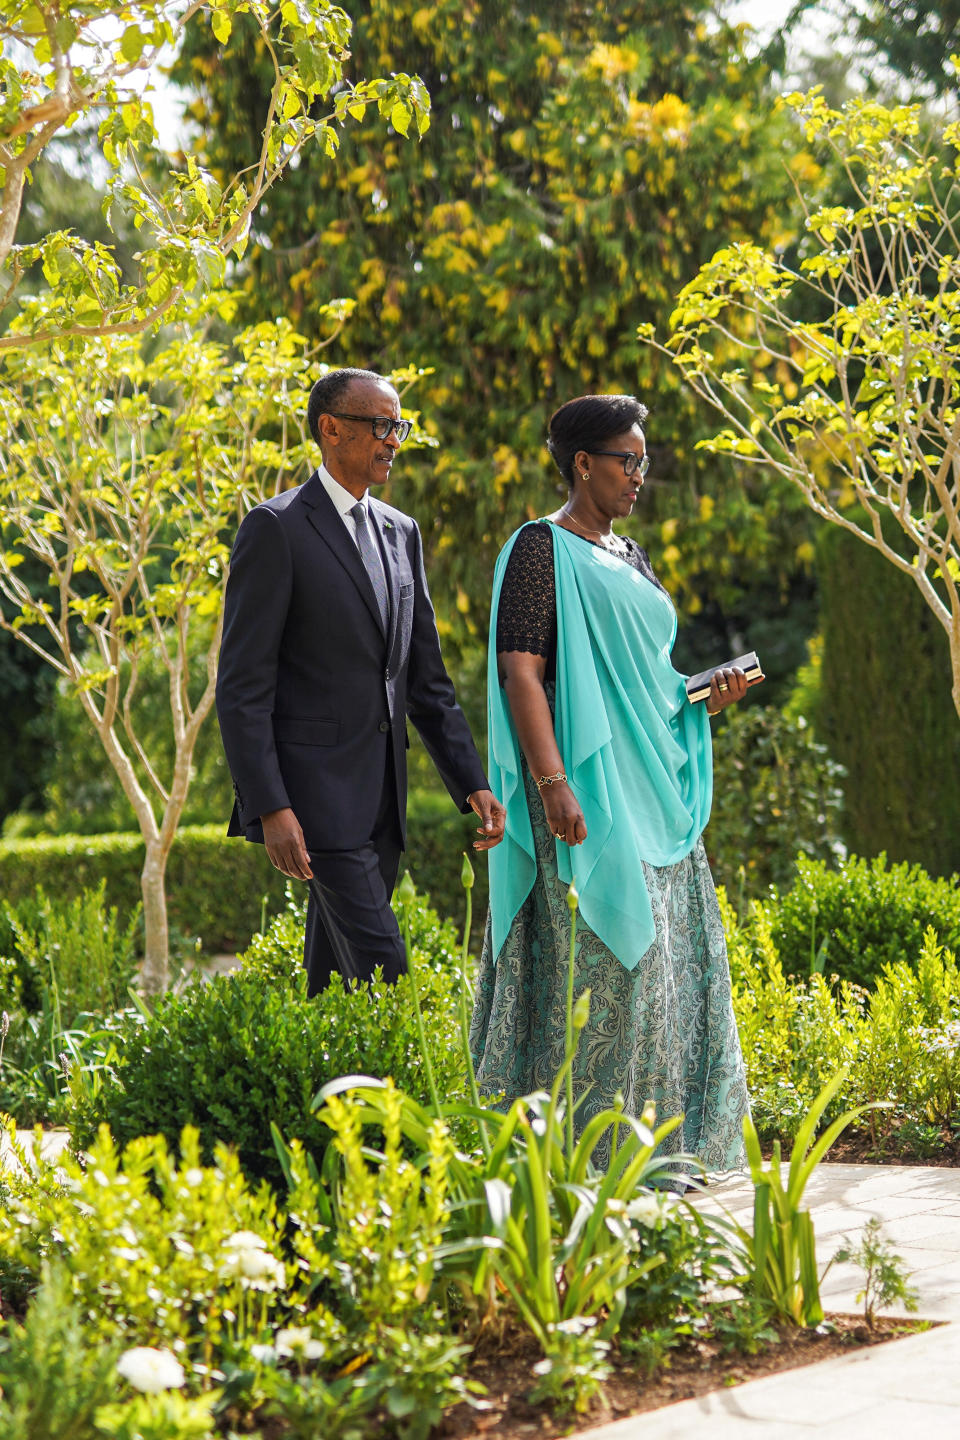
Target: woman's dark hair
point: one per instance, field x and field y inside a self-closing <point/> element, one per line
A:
<point x="587" y="423"/>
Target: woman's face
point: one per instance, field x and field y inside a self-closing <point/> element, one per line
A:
<point x="612" y="491"/>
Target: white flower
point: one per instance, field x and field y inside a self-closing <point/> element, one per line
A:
<point x="646" y="1209"/>
<point x="193" y="1176"/>
<point x="298" y="1340"/>
<point x="245" y="1240"/>
<point x="256" y="1266"/>
<point x="264" y="1353"/>
<point x="151" y="1370"/>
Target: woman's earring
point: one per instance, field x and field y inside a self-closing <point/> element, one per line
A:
<point x="585" y="476"/>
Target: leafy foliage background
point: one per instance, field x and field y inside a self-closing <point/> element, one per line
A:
<point x="581" y="163"/>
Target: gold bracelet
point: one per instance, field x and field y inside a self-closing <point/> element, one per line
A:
<point x="714" y="712"/>
<point x="550" y="780"/>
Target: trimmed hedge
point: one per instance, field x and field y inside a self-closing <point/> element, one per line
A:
<point x="221" y="890"/>
<point x="885" y="707"/>
<point x="217" y="889"/>
<point x="249" y="1047"/>
<point x="870" y="915"/>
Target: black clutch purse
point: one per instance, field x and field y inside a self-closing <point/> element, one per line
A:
<point x="698" y="686"/>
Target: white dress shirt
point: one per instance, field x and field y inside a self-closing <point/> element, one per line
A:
<point x="343" y="503"/>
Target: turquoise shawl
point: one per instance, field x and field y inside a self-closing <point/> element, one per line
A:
<point x="636" y="752"/>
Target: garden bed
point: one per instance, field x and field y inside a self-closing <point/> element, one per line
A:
<point x="697" y="1369"/>
<point x="859" y="1149"/>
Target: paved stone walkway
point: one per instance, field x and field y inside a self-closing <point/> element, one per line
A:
<point x="901" y="1390"/>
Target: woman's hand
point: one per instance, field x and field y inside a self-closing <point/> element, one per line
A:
<point x="564" y="815"/>
<point x="726" y="687"/>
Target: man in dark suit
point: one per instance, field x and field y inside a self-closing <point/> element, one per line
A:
<point x="329" y="644"/>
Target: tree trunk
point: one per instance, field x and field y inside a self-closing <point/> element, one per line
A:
<point x="155" y="972"/>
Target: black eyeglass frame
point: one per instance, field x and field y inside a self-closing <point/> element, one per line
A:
<point x="641" y="463"/>
<point x="381" y="425"/>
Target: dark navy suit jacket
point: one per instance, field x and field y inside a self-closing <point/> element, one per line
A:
<point x="311" y="692"/>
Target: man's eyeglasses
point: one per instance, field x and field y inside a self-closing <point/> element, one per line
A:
<point x="632" y="462"/>
<point x="381" y="425"/>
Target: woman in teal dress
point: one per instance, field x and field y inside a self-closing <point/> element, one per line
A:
<point x="605" y="770"/>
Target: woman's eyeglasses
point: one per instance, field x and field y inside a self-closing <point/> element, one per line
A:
<point x="381" y="425"/>
<point x="632" y="462"/>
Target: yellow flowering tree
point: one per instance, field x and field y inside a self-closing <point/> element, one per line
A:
<point x="581" y="164"/>
<point x="841" y="374"/>
<point x="122" y="478"/>
<point x="88" y="64"/>
<point x="129" y="452"/>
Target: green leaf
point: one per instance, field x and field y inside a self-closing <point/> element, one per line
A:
<point x="65" y="32"/>
<point x="221" y="25"/>
<point x="400" y="117"/>
<point x="132" y="43"/>
<point x="33" y="22"/>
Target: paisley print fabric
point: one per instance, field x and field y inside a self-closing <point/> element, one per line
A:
<point x="662" y="1031"/>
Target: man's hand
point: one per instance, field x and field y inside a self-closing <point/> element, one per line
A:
<point x="485" y="804"/>
<point x="283" y="839"/>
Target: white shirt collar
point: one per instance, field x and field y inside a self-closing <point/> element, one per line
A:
<point x="340" y="496"/>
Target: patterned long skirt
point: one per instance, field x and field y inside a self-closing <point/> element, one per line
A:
<point x="663" y="1031"/>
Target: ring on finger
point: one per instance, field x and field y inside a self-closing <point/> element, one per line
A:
<point x="558" y="834"/>
<point x="723" y="685"/>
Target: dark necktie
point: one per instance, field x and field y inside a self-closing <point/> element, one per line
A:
<point x="368" y="554"/>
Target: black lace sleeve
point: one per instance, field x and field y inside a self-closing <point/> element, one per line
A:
<point x="527" y="613"/>
<point x="640" y="560"/>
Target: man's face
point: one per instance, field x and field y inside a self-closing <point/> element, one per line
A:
<point x="351" y="452"/>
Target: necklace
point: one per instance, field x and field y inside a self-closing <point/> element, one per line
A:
<point x="610" y="542"/>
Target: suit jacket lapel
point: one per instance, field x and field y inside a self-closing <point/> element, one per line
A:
<point x="323" y="516"/>
<point x="387" y="535"/>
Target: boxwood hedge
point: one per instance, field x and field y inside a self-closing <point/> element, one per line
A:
<point x="222" y="890"/>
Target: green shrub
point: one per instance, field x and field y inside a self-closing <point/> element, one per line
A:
<point x="75" y="949"/>
<point x="885" y="706"/>
<point x="437" y="837"/>
<point x="43" y="1062"/>
<point x="52" y="1379"/>
<point x="68" y="973"/>
<point x="160" y="1253"/>
<point x="900" y="1042"/>
<point x="775" y="794"/>
<point x="220" y="890"/>
<point x="217" y="889"/>
<point x="870" y="915"/>
<point x="250" y="1048"/>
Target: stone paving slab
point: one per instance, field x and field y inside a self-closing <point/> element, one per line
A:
<point x="891" y="1392"/>
<point x="52" y="1143"/>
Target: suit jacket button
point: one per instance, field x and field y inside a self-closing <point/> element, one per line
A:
<point x="384" y="726"/>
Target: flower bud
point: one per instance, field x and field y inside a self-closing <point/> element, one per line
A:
<point x="406" y="890"/>
<point x="581" y="1010"/>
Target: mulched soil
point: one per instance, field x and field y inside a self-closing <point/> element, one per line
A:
<point x="699" y="1368"/>
<point x="858" y="1149"/>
